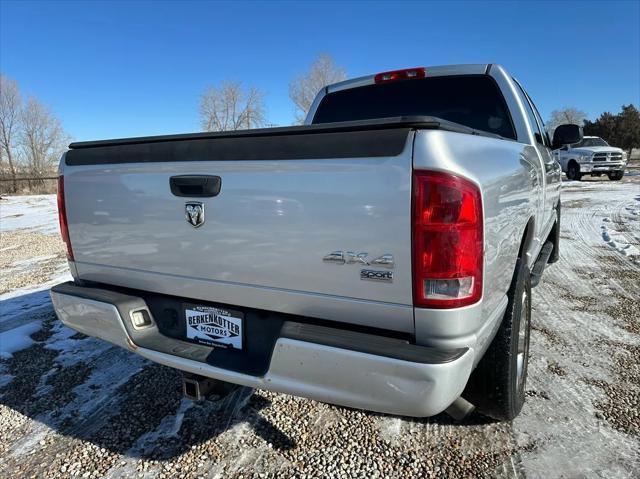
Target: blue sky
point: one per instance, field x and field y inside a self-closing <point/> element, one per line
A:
<point x="111" y="69"/>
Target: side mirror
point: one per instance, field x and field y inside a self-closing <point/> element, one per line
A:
<point x="566" y="135"/>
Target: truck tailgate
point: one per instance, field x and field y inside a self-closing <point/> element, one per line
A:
<point x="279" y="212"/>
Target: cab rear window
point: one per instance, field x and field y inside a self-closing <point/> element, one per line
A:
<point x="471" y="100"/>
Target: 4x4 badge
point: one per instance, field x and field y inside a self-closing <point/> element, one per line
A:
<point x="349" y="257"/>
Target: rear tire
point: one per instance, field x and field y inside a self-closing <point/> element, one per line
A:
<point x="497" y="385"/>
<point x="615" y="175"/>
<point x="573" y="171"/>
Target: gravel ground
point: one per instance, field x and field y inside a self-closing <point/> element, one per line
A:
<point x="72" y="406"/>
<point x="28" y="258"/>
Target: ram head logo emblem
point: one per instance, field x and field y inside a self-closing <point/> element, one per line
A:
<point x="194" y="211"/>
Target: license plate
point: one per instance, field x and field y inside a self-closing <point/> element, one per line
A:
<point x="214" y="326"/>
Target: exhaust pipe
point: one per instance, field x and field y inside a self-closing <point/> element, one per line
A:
<point x="198" y="388"/>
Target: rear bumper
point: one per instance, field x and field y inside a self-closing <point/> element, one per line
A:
<point x="326" y="364"/>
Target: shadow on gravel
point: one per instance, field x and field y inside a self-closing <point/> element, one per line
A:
<point x="443" y="419"/>
<point x="150" y="419"/>
<point x="139" y="414"/>
<point x="24" y="309"/>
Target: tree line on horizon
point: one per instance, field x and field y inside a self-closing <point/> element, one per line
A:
<point x="621" y="129"/>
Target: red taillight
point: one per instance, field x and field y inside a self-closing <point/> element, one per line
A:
<point x="62" y="217"/>
<point x="395" y="75"/>
<point x="447" y="241"/>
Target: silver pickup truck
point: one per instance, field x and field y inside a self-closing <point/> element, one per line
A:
<point x="381" y="256"/>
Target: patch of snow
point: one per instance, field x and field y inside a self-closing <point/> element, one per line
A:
<point x="31" y="441"/>
<point x="34" y="260"/>
<point x="17" y="338"/>
<point x="113" y="368"/>
<point x="35" y="212"/>
<point x="168" y="427"/>
<point x="185" y="405"/>
<point x="72" y="351"/>
<point x="128" y="467"/>
<point x="96" y="398"/>
<point x="390" y="428"/>
<point x="619" y="242"/>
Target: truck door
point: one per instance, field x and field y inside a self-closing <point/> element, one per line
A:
<point x="551" y="171"/>
<point x="552" y="168"/>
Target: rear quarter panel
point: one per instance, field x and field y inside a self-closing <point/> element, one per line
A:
<point x="501" y="169"/>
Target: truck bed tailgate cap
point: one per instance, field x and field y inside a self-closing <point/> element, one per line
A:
<point x="370" y="138"/>
<point x="375" y="124"/>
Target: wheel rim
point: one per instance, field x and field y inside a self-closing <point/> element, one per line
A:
<point x="523" y="341"/>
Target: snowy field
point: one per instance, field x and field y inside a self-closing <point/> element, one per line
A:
<point x="35" y="213"/>
<point x="72" y="406"/>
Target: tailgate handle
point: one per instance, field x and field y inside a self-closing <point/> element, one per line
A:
<point x="195" y="186"/>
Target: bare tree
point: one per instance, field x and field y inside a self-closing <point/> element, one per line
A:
<point x="42" y="137"/>
<point x="10" y="115"/>
<point x="304" y="88"/>
<point x="231" y="107"/>
<point x="566" y="115"/>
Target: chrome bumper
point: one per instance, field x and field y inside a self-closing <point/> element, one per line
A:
<point x="601" y="166"/>
<point x="330" y="365"/>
